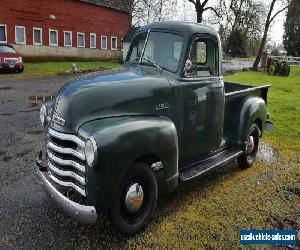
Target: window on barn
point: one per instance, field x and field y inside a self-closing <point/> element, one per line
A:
<point x="103" y="42"/>
<point x="37" y="36"/>
<point x="92" y="41"/>
<point x="67" y="38"/>
<point x="114" y="43"/>
<point x="80" y="40"/>
<point x="53" y="39"/>
<point x="20" y="36"/>
<point x="3" y="33"/>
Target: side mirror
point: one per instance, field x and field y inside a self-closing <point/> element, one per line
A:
<point x="188" y="66"/>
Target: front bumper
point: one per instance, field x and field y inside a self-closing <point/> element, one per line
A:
<point x="11" y="67"/>
<point x="82" y="213"/>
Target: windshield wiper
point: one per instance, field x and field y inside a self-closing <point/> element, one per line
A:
<point x="132" y="60"/>
<point x="141" y="59"/>
<point x="153" y="63"/>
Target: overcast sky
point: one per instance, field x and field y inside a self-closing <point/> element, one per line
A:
<point x="187" y="13"/>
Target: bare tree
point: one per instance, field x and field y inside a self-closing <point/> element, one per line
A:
<point x="201" y="7"/>
<point x="244" y="17"/>
<point x="147" y="11"/>
<point x="270" y="18"/>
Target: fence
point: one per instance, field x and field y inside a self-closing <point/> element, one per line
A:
<point x="292" y="61"/>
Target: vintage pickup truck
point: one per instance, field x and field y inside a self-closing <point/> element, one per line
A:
<point x="167" y="113"/>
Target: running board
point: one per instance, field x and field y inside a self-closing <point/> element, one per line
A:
<point x="198" y="168"/>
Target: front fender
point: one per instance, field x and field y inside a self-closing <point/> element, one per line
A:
<point x="120" y="142"/>
<point x="252" y="110"/>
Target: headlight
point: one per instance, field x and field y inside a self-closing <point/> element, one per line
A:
<point x="90" y="151"/>
<point x="43" y="115"/>
<point x="20" y="60"/>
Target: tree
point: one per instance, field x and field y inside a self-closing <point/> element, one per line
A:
<point x="244" y="17"/>
<point x="201" y="7"/>
<point x="147" y="11"/>
<point x="291" y="38"/>
<point x="235" y="44"/>
<point x="270" y="18"/>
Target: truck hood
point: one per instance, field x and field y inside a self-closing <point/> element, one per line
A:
<point x="115" y="93"/>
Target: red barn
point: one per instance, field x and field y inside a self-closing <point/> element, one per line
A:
<point x="61" y="29"/>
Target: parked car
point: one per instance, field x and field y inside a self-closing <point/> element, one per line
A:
<point x="10" y="59"/>
<point x="110" y="135"/>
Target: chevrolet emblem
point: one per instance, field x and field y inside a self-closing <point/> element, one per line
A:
<point x="60" y="121"/>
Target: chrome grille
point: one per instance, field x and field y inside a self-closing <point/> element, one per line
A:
<point x="66" y="160"/>
<point x="10" y="60"/>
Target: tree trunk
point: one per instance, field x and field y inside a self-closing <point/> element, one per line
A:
<point x="264" y="39"/>
<point x="199" y="16"/>
<point x="199" y="11"/>
<point x="261" y="48"/>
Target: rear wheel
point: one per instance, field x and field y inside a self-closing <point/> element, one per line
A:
<point x="133" y="208"/>
<point x="252" y="141"/>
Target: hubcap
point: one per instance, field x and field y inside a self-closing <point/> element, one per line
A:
<point x="250" y="145"/>
<point x="134" y="198"/>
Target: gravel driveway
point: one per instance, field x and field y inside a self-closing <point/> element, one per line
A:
<point x="28" y="218"/>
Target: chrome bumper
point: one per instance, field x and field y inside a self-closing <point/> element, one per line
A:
<point x="81" y="213"/>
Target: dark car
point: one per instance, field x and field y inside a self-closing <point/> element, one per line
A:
<point x="168" y="114"/>
<point x="10" y="59"/>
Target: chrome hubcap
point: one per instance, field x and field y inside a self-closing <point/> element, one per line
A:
<point x="250" y="145"/>
<point x="134" y="198"/>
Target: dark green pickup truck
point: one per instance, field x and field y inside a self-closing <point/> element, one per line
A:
<point x="167" y="113"/>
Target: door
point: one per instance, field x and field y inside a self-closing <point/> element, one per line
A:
<point x="202" y="100"/>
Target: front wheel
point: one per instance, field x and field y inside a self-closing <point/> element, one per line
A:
<point x="133" y="208"/>
<point x="252" y="141"/>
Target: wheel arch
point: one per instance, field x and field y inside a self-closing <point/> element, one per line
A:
<point x="253" y="110"/>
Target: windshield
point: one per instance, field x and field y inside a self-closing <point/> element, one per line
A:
<point x="163" y="49"/>
<point x="7" y="49"/>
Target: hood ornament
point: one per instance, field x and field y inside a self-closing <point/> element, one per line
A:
<point x="57" y="119"/>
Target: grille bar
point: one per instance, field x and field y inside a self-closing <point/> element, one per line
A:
<point x="66" y="137"/>
<point x="10" y="60"/>
<point x="64" y="150"/>
<point x="67" y="184"/>
<point x="64" y="162"/>
<point x="64" y="173"/>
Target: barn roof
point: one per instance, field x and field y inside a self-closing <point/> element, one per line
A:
<point x="122" y="5"/>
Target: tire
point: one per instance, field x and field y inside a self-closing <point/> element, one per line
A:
<point x="248" y="157"/>
<point x="20" y="70"/>
<point x="127" y="218"/>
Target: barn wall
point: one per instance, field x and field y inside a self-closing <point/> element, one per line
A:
<point x="64" y="15"/>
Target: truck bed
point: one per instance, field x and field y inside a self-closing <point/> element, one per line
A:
<point x="235" y="95"/>
<point x="233" y="89"/>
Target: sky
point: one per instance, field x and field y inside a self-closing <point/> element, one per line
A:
<point x="187" y="13"/>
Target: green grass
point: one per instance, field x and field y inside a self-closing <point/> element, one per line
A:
<point x="283" y="105"/>
<point x="54" y="68"/>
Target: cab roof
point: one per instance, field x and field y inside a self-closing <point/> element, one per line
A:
<point x="185" y="28"/>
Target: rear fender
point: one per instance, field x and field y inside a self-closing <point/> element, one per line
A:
<point x="252" y="109"/>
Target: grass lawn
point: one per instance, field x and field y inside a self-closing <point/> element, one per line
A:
<point x="209" y="212"/>
<point x="283" y="105"/>
<point x="54" y="68"/>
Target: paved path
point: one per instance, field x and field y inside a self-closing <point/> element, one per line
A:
<point x="27" y="217"/>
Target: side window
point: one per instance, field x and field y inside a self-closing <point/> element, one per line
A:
<point x="202" y="58"/>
